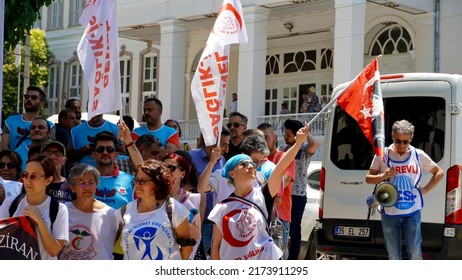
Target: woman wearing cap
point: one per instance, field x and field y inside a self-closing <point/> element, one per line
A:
<point x="240" y="226"/>
<point x="92" y="223"/>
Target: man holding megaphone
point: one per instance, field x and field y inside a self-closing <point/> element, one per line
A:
<point x="399" y="194"/>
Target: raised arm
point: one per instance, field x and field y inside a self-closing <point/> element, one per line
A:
<point x="275" y="179"/>
<point x="133" y="152"/>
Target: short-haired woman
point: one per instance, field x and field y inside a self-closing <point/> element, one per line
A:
<point x="92" y="224"/>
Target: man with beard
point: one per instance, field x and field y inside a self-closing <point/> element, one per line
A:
<point x="16" y="129"/>
<point x="115" y="187"/>
<point x="74" y="105"/>
<point x="82" y="136"/>
<point x="40" y="132"/>
<point x="237" y="125"/>
<point x="168" y="136"/>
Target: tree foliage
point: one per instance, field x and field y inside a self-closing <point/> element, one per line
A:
<point x="40" y="56"/>
<point x="20" y="16"/>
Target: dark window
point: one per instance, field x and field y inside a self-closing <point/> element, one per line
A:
<point x="351" y="150"/>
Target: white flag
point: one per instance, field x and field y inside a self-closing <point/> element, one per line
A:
<point x="208" y="86"/>
<point x="98" y="53"/>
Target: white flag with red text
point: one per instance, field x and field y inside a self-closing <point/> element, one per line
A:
<point x="98" y="53"/>
<point x="208" y="86"/>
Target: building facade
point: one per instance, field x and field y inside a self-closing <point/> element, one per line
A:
<point x="293" y="45"/>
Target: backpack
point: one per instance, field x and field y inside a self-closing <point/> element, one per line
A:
<point x="54" y="207"/>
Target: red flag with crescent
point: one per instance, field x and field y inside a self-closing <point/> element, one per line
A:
<point x="362" y="100"/>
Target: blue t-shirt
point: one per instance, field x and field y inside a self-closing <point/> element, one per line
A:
<point x="84" y="134"/>
<point x="18" y="127"/>
<point x="115" y="190"/>
<point x="163" y="133"/>
<point x="22" y="151"/>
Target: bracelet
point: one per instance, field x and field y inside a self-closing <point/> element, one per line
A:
<point x="129" y="144"/>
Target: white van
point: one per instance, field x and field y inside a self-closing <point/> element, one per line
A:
<point x="432" y="103"/>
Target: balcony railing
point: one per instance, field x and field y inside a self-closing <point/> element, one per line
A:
<point x="190" y="129"/>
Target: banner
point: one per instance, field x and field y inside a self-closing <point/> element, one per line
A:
<point x="362" y="100"/>
<point x="98" y="53"/>
<point x="18" y="239"/>
<point x="208" y="86"/>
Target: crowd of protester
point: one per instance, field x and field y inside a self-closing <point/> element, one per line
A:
<point x="98" y="190"/>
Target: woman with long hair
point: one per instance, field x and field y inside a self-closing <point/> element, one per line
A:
<point x="154" y="224"/>
<point x="181" y="171"/>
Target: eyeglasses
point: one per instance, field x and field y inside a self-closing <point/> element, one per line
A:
<point x="8" y="165"/>
<point x="53" y="153"/>
<point x="399" y="141"/>
<point x="33" y="97"/>
<point x="32" y="177"/>
<point x="260" y="162"/>
<point x="138" y="181"/>
<point x="173" y="167"/>
<point x="246" y="164"/>
<point x="101" y="149"/>
<point x="89" y="184"/>
<point x="235" y="124"/>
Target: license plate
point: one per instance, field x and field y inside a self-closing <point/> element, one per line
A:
<point x="351" y="231"/>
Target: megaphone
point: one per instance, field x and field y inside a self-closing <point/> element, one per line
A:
<point x="386" y="194"/>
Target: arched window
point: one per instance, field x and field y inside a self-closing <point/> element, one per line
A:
<point x="393" y="39"/>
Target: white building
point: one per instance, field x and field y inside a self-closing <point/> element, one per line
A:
<point x="292" y="45"/>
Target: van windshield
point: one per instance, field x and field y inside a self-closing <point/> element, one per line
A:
<point x="351" y="150"/>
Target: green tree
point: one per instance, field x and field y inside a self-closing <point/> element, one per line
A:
<point x="40" y="57"/>
<point x="20" y="16"/>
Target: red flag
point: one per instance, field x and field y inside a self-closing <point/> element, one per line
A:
<point x="362" y="100"/>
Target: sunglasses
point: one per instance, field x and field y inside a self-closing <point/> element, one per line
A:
<point x="32" y="177"/>
<point x="9" y="165"/>
<point x="89" y="184"/>
<point x="101" y="149"/>
<point x="138" y="181"/>
<point x="173" y="168"/>
<point x="235" y="124"/>
<point x="33" y="97"/>
<point x="53" y="153"/>
<point x="399" y="141"/>
<point x="246" y="164"/>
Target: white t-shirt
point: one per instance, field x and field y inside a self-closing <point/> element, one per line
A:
<point x="244" y="229"/>
<point x="91" y="235"/>
<point x="12" y="188"/>
<point x="60" y="226"/>
<point x="192" y="201"/>
<point x="148" y="236"/>
<point x="221" y="186"/>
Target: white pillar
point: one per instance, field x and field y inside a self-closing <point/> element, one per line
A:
<point x="349" y="39"/>
<point x="252" y="61"/>
<point x="172" y="61"/>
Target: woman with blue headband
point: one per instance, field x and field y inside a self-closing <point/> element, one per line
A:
<point x="241" y="221"/>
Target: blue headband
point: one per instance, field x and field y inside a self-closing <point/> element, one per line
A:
<point x="232" y="163"/>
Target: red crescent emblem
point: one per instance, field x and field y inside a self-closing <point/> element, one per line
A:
<point x="228" y="236"/>
<point x="231" y="8"/>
